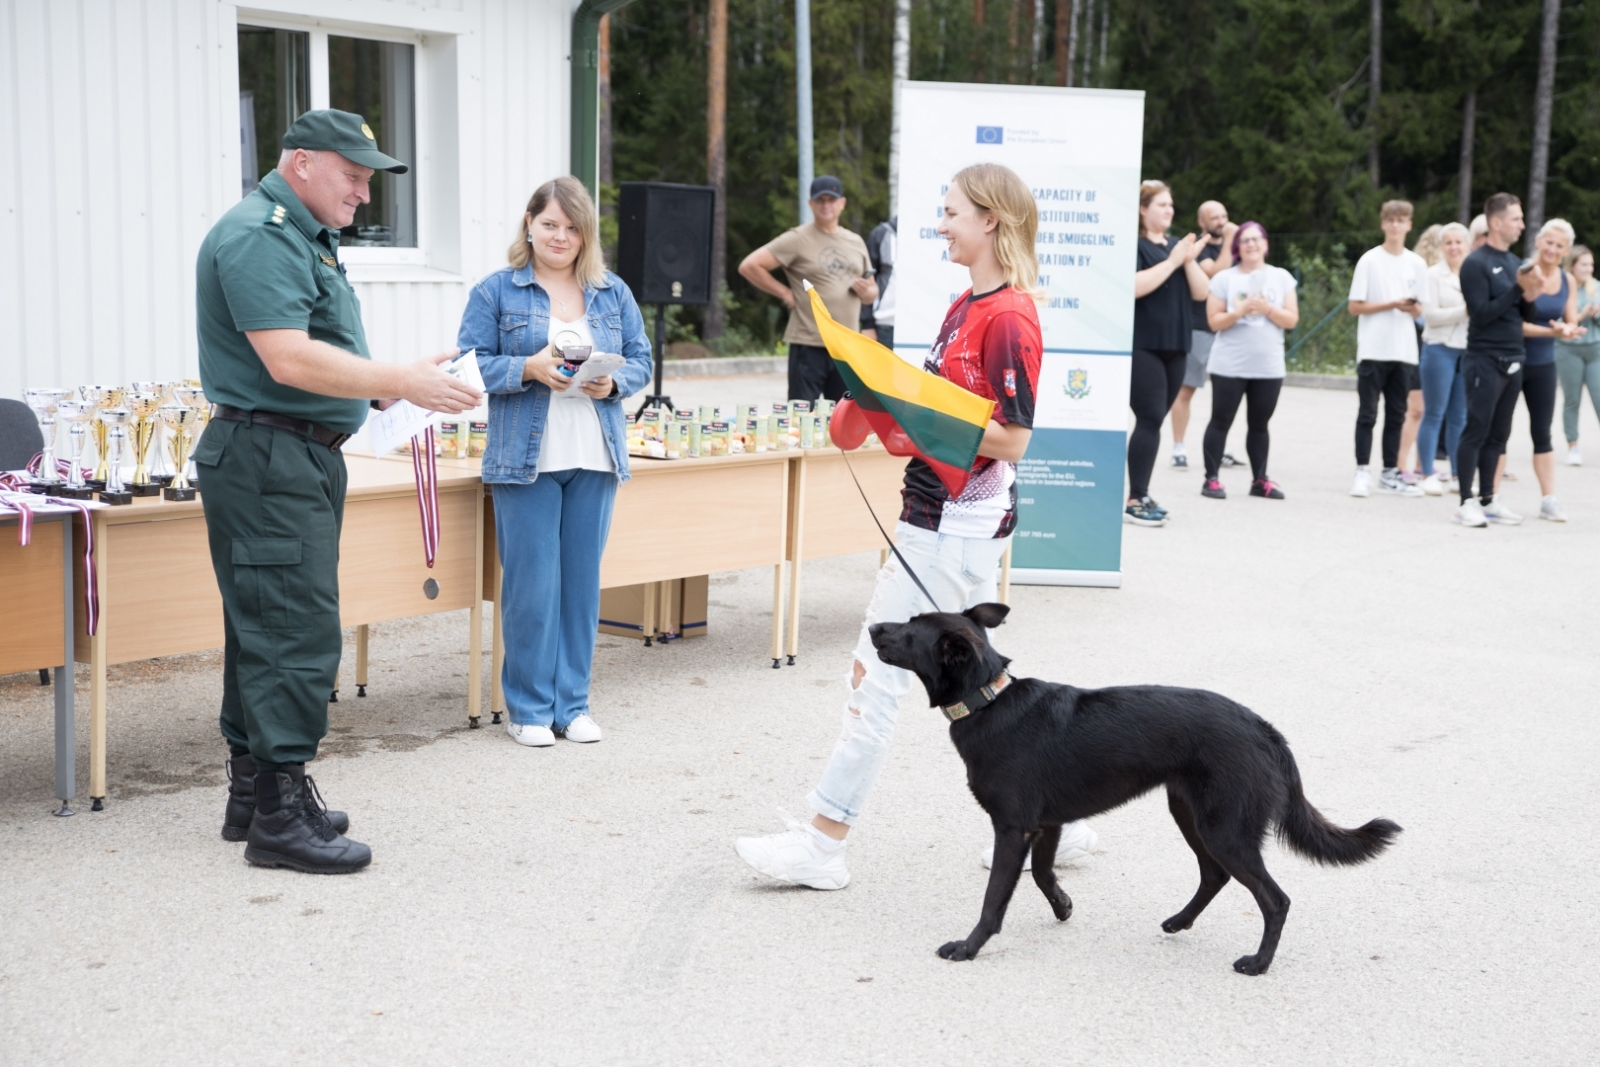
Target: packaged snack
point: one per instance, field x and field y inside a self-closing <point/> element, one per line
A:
<point x="714" y="438"/>
<point x="707" y="413"/>
<point x="445" y="440"/>
<point x="799" y="407"/>
<point x="673" y="441"/>
<point x="477" y="440"/>
<point x="696" y="429"/>
<point x="755" y="436"/>
<point x="808" y="431"/>
<point x="684" y="415"/>
<point x="650" y="424"/>
<point x="780" y="434"/>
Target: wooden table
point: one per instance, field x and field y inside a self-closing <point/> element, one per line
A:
<point x="678" y="519"/>
<point x="158" y="593"/>
<point x="37" y="631"/>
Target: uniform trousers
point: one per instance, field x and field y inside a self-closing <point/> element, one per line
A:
<point x="274" y="507"/>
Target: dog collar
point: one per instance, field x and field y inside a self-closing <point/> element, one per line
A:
<point x="979" y="700"/>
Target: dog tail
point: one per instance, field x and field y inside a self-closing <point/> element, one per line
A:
<point x="1307" y="831"/>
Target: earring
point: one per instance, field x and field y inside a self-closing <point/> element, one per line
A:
<point x="530" y="237"/>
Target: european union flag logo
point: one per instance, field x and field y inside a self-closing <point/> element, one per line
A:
<point x="991" y="135"/>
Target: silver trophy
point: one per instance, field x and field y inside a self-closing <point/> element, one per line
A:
<point x="43" y="402"/>
<point x="77" y="414"/>
<point x="116" y="422"/>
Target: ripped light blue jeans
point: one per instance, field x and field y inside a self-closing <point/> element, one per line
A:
<point x="959" y="572"/>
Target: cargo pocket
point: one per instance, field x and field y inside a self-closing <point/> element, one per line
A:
<point x="208" y="451"/>
<point x="266" y="575"/>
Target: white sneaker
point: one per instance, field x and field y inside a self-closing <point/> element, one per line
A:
<point x="795" y="856"/>
<point x="1549" y="509"/>
<point x="583" y="730"/>
<point x="1470" y="513"/>
<point x="1363" y="484"/>
<point x="1391" y="482"/>
<point x="1078" y="839"/>
<point x="1574" y="457"/>
<point x="1495" y="511"/>
<point x="1432" y="486"/>
<point x="530" y="735"/>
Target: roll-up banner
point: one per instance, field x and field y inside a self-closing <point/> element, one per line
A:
<point x="1078" y="150"/>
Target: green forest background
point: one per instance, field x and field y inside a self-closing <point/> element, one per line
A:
<point x="1262" y="104"/>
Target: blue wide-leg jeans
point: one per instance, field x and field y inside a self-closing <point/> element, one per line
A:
<point x="551" y="534"/>
<point x="1444" y="405"/>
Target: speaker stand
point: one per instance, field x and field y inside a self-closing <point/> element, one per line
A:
<point x="656" y="399"/>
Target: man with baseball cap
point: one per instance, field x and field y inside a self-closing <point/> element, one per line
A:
<point x="284" y="361"/>
<point x="834" y="260"/>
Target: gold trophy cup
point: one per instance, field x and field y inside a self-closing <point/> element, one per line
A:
<point x="190" y="395"/>
<point x="160" y="465"/>
<point x="100" y="398"/>
<point x="143" y="407"/>
<point x="182" y="422"/>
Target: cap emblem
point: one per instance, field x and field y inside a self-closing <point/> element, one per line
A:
<point x="368" y="131"/>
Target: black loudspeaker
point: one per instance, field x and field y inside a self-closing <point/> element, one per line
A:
<point x="664" y="241"/>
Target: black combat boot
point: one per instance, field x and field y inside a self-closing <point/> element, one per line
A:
<point x="242" y="801"/>
<point x="291" y="828"/>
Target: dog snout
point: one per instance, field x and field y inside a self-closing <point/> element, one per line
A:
<point x="880" y="632"/>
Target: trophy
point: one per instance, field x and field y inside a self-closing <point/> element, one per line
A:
<point x="160" y="469"/>
<point x="43" y="402"/>
<point x="116" y="421"/>
<point x="143" y="407"/>
<point x="181" y="421"/>
<point x="100" y="397"/>
<point x="190" y="395"/>
<point x="77" y="414"/>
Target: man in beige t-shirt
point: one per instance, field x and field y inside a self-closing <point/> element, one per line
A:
<point x="835" y="261"/>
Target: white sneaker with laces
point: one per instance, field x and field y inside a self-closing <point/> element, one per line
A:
<point x="530" y="735"/>
<point x="1078" y="839"/>
<point x="1363" y="483"/>
<point x="1574" y="457"/>
<point x="796" y="856"/>
<point x="1432" y="486"/>
<point x="1391" y="482"/>
<point x="1470" y="513"/>
<point x="583" y="730"/>
<point x="1550" y="509"/>
<point x="1495" y="511"/>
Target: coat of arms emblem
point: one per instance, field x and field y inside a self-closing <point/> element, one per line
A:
<point x="1077" y="386"/>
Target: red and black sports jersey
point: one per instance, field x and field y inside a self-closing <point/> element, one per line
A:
<point x="989" y="345"/>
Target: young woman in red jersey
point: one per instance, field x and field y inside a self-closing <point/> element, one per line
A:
<point x="990" y="345"/>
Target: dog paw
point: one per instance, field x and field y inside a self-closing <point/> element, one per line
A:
<point x="1062" y="906"/>
<point x="1251" y="965"/>
<point x="956" y="950"/>
<point x="1177" y="923"/>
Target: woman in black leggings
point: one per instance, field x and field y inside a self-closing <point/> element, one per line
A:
<point x="1250" y="306"/>
<point x="1168" y="279"/>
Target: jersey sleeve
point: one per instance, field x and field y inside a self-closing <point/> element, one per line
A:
<point x="1011" y="353"/>
<point x="267" y="281"/>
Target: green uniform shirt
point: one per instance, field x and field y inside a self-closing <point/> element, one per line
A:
<point x="269" y="265"/>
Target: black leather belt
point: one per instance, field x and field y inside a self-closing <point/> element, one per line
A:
<point x="305" y="428"/>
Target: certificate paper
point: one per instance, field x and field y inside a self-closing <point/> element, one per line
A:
<point x="403" y="420"/>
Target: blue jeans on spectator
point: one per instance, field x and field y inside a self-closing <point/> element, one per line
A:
<point x="551" y="533"/>
<point x="1444" y="403"/>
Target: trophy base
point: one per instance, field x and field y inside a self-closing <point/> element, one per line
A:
<point x="96" y="484"/>
<point x="46" y="488"/>
<point x="148" y="489"/>
<point x="77" y="492"/>
<point x="170" y="493"/>
<point x="162" y="480"/>
<point x="117" y="498"/>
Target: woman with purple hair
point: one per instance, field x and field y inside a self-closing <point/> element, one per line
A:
<point x="1250" y="306"/>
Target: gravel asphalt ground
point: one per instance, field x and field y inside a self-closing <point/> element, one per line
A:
<point x="583" y="904"/>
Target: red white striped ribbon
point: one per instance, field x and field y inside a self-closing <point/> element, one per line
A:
<point x="18" y="500"/>
<point x="425" y="465"/>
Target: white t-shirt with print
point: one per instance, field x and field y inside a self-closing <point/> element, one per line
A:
<point x="572" y="434"/>
<point x="1253" y="346"/>
<point x="1379" y="278"/>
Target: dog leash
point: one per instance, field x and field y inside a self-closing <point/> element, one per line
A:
<point x="887" y="539"/>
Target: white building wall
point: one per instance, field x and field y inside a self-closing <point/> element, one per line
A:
<point x="119" y="148"/>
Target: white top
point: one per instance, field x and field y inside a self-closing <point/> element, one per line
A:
<point x="1379" y="278"/>
<point x="1253" y="346"/>
<point x="572" y="434"/>
<point x="1444" y="309"/>
<point x="883" y="310"/>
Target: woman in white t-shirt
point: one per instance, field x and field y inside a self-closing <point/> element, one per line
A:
<point x="1250" y="306"/>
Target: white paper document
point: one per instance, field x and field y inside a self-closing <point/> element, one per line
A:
<point x="596" y="366"/>
<point x="389" y="429"/>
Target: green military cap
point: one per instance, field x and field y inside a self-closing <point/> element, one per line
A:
<point x="342" y="132"/>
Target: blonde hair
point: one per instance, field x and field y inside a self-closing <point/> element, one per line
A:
<point x="1428" y="242"/>
<point x="571" y="196"/>
<point x="999" y="191"/>
<point x="1453" y="227"/>
<point x="1479" y="227"/>
<point x="1561" y="226"/>
<point x="1577" y="253"/>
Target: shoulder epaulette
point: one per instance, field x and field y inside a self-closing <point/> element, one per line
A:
<point x="279" y="213"/>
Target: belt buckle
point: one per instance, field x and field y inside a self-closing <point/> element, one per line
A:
<point x="338" y="441"/>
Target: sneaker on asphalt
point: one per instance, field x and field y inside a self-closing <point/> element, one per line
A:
<point x="1574" y="457"/>
<point x="1229" y="461"/>
<point x="1266" y="487"/>
<point x="1470" y="513"/>
<point x="1180" y="460"/>
<point x="583" y="730"/>
<point x="1550" y="509"/>
<point x="1391" y="482"/>
<point x="1495" y="511"/>
<point x="525" y="733"/>
<point x="1432" y="486"/>
<point x="1078" y="839"/>
<point x="795" y="856"/>
<point x="1363" y="483"/>
<point x="1144" y="513"/>
<point x="1213" y="489"/>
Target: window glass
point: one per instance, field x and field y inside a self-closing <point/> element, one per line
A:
<point x="274" y="90"/>
<point x="376" y="80"/>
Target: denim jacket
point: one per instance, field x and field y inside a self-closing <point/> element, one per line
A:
<point x="507" y="320"/>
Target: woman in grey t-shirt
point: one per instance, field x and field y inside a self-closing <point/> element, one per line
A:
<point x="1249" y="308"/>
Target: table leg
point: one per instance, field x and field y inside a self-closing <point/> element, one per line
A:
<point x="97" y="674"/>
<point x="1005" y="576"/>
<point x="497" y="658"/>
<point x="648" y="622"/>
<point x="777" y="616"/>
<point x="475" y="621"/>
<point x="794" y="607"/>
<point x="363" y="638"/>
<point x="66" y="728"/>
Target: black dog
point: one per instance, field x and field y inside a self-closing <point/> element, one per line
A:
<point x="1039" y="755"/>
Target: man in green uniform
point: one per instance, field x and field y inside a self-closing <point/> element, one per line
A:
<point x="284" y="361"/>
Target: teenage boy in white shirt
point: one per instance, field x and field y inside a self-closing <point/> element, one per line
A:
<point x="1385" y="296"/>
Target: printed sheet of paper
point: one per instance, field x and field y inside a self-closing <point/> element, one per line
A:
<point x="596" y="366"/>
<point x="389" y="429"/>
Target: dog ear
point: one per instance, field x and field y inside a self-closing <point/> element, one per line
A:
<point x="955" y="649"/>
<point x="988" y="615"/>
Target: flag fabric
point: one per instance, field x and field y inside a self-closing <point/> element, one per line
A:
<point x="943" y="422"/>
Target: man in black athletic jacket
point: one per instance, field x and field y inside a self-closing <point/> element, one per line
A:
<point x="1498" y="293"/>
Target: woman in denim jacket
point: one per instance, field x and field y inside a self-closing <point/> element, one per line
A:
<point x="555" y="455"/>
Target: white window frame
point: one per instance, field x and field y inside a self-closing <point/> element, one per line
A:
<point x="317" y="65"/>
